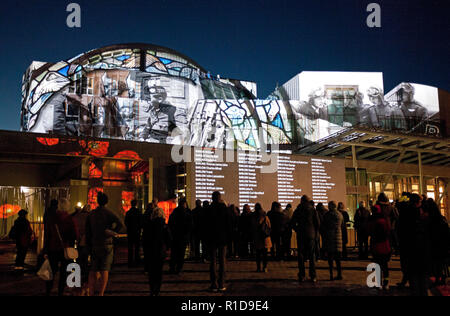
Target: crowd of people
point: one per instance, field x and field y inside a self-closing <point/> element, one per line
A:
<point x="411" y="226"/>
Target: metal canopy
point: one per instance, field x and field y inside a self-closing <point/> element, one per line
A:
<point x="382" y="146"/>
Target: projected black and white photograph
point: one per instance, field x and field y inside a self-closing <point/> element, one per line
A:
<point x="224" y="156"/>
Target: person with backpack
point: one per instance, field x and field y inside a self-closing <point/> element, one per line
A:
<point x="22" y="233"/>
<point x="261" y="237"/>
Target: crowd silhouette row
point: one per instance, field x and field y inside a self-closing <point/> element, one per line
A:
<point x="412" y="227"/>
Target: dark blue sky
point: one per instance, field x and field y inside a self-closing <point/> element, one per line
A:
<point x="266" y="41"/>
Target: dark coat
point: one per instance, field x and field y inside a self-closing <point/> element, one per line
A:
<point x="133" y="221"/>
<point x="389" y="212"/>
<point x="276" y="221"/>
<point x="362" y="216"/>
<point x="218" y="225"/>
<point x="156" y="237"/>
<point x="180" y="224"/>
<point x="344" y="226"/>
<point x="245" y="226"/>
<point x="260" y="240"/>
<point x="306" y="222"/>
<point x="332" y="231"/>
<point x="22" y="232"/>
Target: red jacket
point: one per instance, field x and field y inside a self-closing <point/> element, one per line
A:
<point x="379" y="230"/>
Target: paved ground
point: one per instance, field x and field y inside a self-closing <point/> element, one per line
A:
<point x="281" y="280"/>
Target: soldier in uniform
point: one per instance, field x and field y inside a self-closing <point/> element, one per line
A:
<point x="413" y="111"/>
<point x="312" y="108"/>
<point x="380" y="113"/>
<point x="162" y="115"/>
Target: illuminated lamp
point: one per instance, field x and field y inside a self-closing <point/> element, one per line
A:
<point x="79" y="204"/>
<point x="9" y="210"/>
<point x="48" y="141"/>
<point x="127" y="197"/>
<point x="127" y="154"/>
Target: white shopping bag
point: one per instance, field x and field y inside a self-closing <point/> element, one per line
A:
<point x="45" y="272"/>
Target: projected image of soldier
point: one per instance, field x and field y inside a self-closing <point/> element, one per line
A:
<point x="381" y="114"/>
<point x="414" y="112"/>
<point x="311" y="109"/>
<point x="161" y="121"/>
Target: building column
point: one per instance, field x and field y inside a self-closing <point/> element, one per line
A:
<point x="421" y="188"/>
<point x="150" y="180"/>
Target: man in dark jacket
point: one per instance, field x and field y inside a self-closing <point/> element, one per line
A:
<point x="133" y="221"/>
<point x="276" y="220"/>
<point x="361" y="225"/>
<point x="306" y="224"/>
<point x="180" y="225"/>
<point x="21" y="233"/>
<point x="245" y="232"/>
<point x="196" y="229"/>
<point x="218" y="228"/>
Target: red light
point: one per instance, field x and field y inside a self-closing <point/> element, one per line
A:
<point x="127" y="154"/>
<point x="48" y="141"/>
<point x="9" y="210"/>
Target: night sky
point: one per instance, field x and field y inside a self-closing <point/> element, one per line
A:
<point x="267" y="41"/>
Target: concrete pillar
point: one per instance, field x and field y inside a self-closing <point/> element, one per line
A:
<point x="421" y="185"/>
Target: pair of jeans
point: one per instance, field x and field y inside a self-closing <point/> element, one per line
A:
<point x="306" y="251"/>
<point x="57" y="262"/>
<point x="261" y="255"/>
<point x="177" y="256"/>
<point x="155" y="274"/>
<point x="217" y="279"/>
<point x="21" y="255"/>
<point x="336" y="257"/>
<point x="134" y="256"/>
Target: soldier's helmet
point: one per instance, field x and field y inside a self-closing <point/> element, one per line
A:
<point x="407" y="88"/>
<point x="375" y="92"/>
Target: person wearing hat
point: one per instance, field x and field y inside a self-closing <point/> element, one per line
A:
<point x="381" y="114"/>
<point x="21" y="232"/>
<point x="413" y="111"/>
<point x="311" y="108"/>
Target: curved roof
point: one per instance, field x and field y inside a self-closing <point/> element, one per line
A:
<point x="142" y="46"/>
